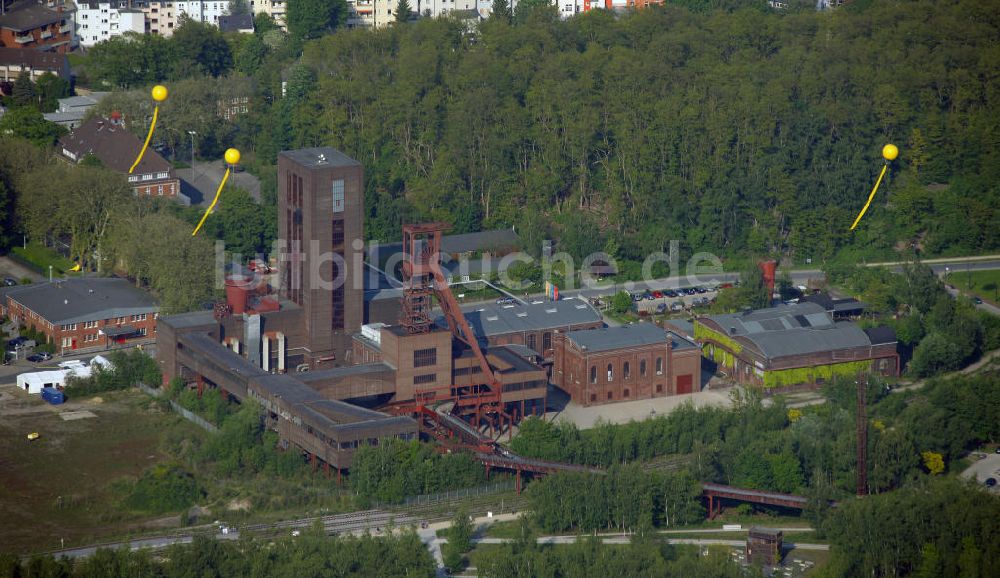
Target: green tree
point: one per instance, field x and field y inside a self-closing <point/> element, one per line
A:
<point x="501" y="11"/>
<point x="27" y="122"/>
<point x="23" y="93"/>
<point x="308" y="19"/>
<point x="50" y="89"/>
<point x="251" y="55"/>
<point x="621" y="302"/>
<point x="239" y="7"/>
<point x="403" y="11"/>
<point x="201" y="47"/>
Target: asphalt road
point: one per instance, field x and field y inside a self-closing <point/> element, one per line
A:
<point x="988" y="467"/>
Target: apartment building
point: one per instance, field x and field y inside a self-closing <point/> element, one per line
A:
<point x="98" y="21"/>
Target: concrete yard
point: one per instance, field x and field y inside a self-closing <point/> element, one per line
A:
<point x="638" y="410"/>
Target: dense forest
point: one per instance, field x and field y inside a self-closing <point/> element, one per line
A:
<point x="743" y="131"/>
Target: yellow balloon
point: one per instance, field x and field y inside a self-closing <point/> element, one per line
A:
<point x="232" y="156"/>
<point x="159" y="93"/>
<point x="890" y="152"/>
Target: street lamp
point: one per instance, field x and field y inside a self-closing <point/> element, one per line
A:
<point x="193" y="134"/>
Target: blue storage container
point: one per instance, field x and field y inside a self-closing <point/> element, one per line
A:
<point x="52" y="395"/>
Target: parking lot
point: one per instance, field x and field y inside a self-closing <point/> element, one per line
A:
<point x="665" y="301"/>
<point x="987" y="466"/>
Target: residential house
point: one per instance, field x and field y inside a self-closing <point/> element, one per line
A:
<point x="13" y="61"/>
<point x="117" y="148"/>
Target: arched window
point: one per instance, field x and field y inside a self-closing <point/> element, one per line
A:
<point x="611" y="372"/>
<point x="626" y="371"/>
<point x="593" y="374"/>
<point x="642" y="368"/>
<point x="659" y="366"/>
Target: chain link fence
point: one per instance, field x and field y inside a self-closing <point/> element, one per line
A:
<point x="185" y="413"/>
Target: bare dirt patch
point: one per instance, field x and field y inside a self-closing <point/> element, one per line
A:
<point x="70" y="483"/>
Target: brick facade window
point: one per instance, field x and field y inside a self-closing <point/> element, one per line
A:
<point x="659" y="366"/>
<point x="422" y="379"/>
<point x="531" y="341"/>
<point x="424" y="357"/>
<point x="546" y="341"/>
<point x="626" y="372"/>
<point x="593" y="374"/>
<point x="642" y="368"/>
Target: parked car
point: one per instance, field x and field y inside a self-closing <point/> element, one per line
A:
<point x="9" y="282"/>
<point x="990" y="482"/>
<point x="13" y="344"/>
<point x="677" y="306"/>
<point x="662" y="307"/>
<point x="637" y="298"/>
<point x="701" y="290"/>
<point x="978" y="301"/>
<point x="657" y="295"/>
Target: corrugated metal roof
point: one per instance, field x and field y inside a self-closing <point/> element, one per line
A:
<point x="792" y="330"/>
<point x="534" y="316"/>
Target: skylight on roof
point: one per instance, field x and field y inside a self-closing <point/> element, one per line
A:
<point x="492" y="318"/>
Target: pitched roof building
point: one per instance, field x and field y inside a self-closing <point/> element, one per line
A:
<point x="13" y="61"/>
<point x="117" y="149"/>
<point x="794" y="344"/>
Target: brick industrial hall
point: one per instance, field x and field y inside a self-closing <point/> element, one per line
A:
<point x="367" y="359"/>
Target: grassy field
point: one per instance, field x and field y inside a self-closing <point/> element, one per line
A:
<point x="985" y="284"/>
<point x="42" y="257"/>
<point x="68" y="483"/>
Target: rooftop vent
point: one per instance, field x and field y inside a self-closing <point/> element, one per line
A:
<point x="581" y="306"/>
<point x="522" y="314"/>
<point x="550" y="309"/>
<point x="492" y="318"/>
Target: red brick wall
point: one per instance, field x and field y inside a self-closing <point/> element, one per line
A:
<point x="7" y="38"/>
<point x="170" y="188"/>
<point x="56" y="333"/>
<point x="571" y="372"/>
<point x="80" y="333"/>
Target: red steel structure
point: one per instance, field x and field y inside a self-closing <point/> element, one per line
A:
<point x="423" y="278"/>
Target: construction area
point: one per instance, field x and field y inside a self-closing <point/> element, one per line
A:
<point x="339" y="362"/>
